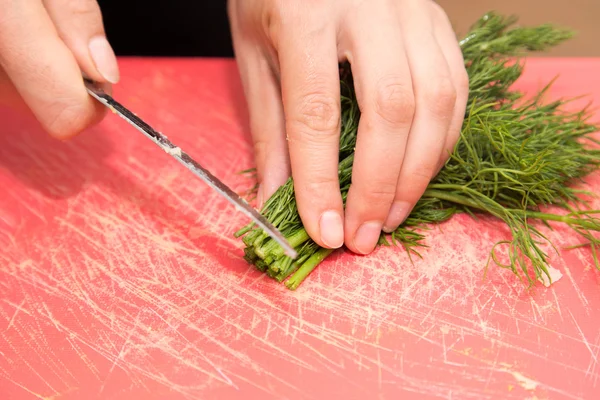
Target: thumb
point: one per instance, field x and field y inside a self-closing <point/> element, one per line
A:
<point x="80" y="26"/>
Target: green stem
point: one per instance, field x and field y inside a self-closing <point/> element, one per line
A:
<point x="273" y="248"/>
<point x="307" y="268"/>
<point x="244" y="230"/>
<point x="454" y="198"/>
<point x="587" y="224"/>
<point x="293" y="267"/>
<point x="496" y="210"/>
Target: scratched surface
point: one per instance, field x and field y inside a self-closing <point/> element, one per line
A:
<point x="119" y="278"/>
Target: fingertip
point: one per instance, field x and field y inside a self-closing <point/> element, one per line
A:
<point x="321" y="209"/>
<point x="366" y="237"/>
<point x="397" y="215"/>
<point x="79" y="24"/>
<point x="104" y="59"/>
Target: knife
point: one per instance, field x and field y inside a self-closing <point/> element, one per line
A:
<point x="161" y="141"/>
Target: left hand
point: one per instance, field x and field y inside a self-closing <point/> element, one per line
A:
<point x="412" y="89"/>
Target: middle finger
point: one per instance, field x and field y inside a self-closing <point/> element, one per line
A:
<point x="385" y="96"/>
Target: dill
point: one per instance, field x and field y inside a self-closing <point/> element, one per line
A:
<point x="515" y="157"/>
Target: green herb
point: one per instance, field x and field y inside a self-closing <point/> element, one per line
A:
<point x="514" y="157"/>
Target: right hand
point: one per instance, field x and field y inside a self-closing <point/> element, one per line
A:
<point x="45" y="45"/>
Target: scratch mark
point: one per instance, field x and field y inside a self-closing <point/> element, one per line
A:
<point x="587" y="344"/>
<point x="578" y="291"/>
<point x="17" y="309"/>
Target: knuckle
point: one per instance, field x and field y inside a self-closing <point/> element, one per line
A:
<point x="423" y="174"/>
<point x="318" y="114"/>
<point x="320" y="186"/>
<point x="420" y="176"/>
<point x="440" y="97"/>
<point x="278" y="22"/>
<point x="394" y="101"/>
<point x="379" y="192"/>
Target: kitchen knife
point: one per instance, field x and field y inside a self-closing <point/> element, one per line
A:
<point x="161" y="141"/>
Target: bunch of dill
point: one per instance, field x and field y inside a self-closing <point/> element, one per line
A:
<point x="514" y="156"/>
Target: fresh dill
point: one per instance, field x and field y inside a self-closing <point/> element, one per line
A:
<point x="515" y="157"/>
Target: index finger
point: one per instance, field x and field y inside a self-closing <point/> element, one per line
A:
<point x="311" y="99"/>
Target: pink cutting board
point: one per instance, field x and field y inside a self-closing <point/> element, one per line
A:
<point x="120" y="279"/>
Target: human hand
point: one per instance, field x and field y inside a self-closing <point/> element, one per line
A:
<point x="411" y="86"/>
<point x="44" y="47"/>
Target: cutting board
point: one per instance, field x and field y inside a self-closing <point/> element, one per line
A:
<point x="120" y="277"/>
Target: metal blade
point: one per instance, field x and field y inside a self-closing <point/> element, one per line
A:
<point x="161" y="141"/>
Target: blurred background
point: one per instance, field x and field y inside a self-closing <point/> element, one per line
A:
<point x="200" y="28"/>
<point x="579" y="15"/>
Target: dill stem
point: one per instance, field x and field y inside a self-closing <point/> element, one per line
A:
<point x="454" y="198"/>
<point x="275" y="250"/>
<point x="307" y="268"/>
<point x="458" y="199"/>
<point x="291" y="269"/>
<point x="587" y="224"/>
<point x="244" y="230"/>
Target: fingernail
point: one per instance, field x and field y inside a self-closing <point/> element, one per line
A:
<point x="398" y="213"/>
<point x="332" y="229"/>
<point x="104" y="58"/>
<point x="367" y="236"/>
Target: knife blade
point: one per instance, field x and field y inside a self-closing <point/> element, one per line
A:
<point x="183" y="158"/>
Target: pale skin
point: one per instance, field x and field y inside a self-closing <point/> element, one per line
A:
<point x="409" y="75"/>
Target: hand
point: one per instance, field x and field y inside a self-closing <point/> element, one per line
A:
<point x="45" y="45"/>
<point x="412" y="89"/>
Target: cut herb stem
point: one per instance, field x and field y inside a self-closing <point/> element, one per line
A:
<point x="306" y="268"/>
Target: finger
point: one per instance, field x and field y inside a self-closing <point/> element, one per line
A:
<point x="385" y="95"/>
<point x="43" y="70"/>
<point x="9" y="96"/>
<point x="79" y="25"/>
<point x="448" y="43"/>
<point x="311" y="98"/>
<point x="435" y="96"/>
<point x="267" y="123"/>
